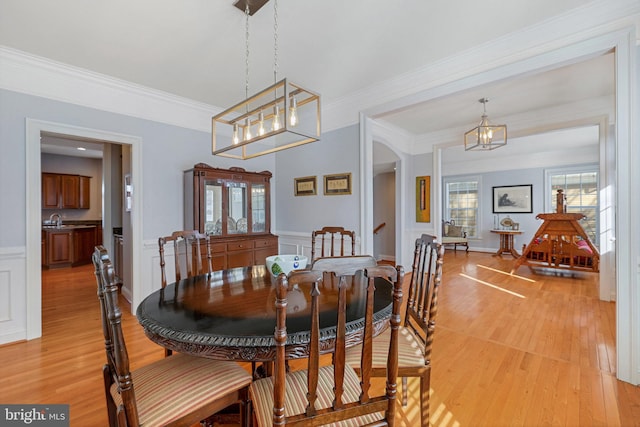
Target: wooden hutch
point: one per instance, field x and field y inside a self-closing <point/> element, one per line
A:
<point x="233" y="207"/>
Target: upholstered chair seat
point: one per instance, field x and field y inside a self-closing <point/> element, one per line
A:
<point x="176" y="386"/>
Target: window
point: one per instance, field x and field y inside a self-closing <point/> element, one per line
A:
<point x="461" y="203"/>
<point x="580" y="187"/>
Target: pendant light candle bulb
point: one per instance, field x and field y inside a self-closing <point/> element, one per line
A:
<point x="293" y="112"/>
<point x="247" y="132"/>
<point x="235" y="138"/>
<point x="276" y="125"/>
<point x="261" y="130"/>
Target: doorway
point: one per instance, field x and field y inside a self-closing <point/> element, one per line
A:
<point x="35" y="129"/>
<point x="385" y="203"/>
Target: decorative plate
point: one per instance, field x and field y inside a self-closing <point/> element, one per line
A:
<point x="506" y="222"/>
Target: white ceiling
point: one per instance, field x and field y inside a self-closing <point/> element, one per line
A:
<point x="196" y="49"/>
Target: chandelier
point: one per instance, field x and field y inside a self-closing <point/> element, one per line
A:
<point x="485" y="136"/>
<point x="282" y="116"/>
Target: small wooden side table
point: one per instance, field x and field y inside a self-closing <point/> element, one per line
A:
<point x="506" y="242"/>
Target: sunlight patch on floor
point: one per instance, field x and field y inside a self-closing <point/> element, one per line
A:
<point x="482" y="282"/>
<point x="442" y="417"/>
<point x="505" y="273"/>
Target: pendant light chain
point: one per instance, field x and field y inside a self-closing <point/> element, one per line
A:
<point x="275" y="41"/>
<point x="246" y="83"/>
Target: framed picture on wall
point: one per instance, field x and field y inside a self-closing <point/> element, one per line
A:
<point x="305" y="186"/>
<point x="423" y="199"/>
<point x="513" y="199"/>
<point x="337" y="184"/>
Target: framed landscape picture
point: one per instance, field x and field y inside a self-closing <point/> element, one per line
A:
<point x="513" y="199"/>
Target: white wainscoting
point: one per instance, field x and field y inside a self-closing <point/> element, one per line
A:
<point x="151" y="274"/>
<point x="13" y="314"/>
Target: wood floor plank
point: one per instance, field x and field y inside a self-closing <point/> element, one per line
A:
<point x="521" y="350"/>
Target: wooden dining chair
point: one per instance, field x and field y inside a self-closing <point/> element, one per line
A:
<point x="179" y="390"/>
<point x="187" y="254"/>
<point x="331" y="394"/>
<point x="416" y="333"/>
<point x="333" y="236"/>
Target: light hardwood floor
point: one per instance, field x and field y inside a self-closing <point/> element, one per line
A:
<point x="522" y="350"/>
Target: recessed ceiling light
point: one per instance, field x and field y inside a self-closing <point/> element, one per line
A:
<point x="82" y="149"/>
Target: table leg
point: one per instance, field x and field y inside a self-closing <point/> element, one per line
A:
<point x="512" y="249"/>
<point x="506" y="246"/>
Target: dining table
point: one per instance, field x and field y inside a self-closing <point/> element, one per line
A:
<point x="230" y="315"/>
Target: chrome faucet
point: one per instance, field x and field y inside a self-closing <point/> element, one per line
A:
<point x="58" y="219"/>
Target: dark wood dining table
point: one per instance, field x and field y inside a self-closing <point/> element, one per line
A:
<point x="230" y="315"/>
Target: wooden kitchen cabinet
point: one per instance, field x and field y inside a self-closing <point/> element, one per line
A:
<point x="233" y="207"/>
<point x="68" y="246"/>
<point x="84" y="192"/>
<point x="64" y="191"/>
<point x="84" y="242"/>
<point x="50" y="191"/>
<point x="59" y="248"/>
<point x="70" y="191"/>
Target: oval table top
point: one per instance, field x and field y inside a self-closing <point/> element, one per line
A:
<point x="230" y="315"/>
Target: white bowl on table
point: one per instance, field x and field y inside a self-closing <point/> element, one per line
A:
<point x="277" y="264"/>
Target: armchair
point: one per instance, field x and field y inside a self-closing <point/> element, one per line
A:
<point x="453" y="234"/>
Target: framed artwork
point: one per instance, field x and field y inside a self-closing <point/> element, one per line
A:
<point x="337" y="184"/>
<point x="305" y="186"/>
<point x="423" y="199"/>
<point x="513" y="199"/>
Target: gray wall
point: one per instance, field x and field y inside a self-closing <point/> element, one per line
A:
<point x="337" y="152"/>
<point x="528" y="222"/>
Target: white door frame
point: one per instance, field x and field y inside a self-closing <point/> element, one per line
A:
<point x="34" y="128"/>
<point x="627" y="173"/>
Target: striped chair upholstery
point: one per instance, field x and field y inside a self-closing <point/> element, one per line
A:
<point x="409" y="350"/>
<point x="331" y="395"/>
<point x="176" y="386"/>
<point x="176" y="390"/>
<point x="295" y="402"/>
<point x="416" y="333"/>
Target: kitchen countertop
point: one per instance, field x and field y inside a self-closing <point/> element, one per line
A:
<point x="65" y="227"/>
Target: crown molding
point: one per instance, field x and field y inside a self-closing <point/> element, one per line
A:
<point x="38" y="76"/>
